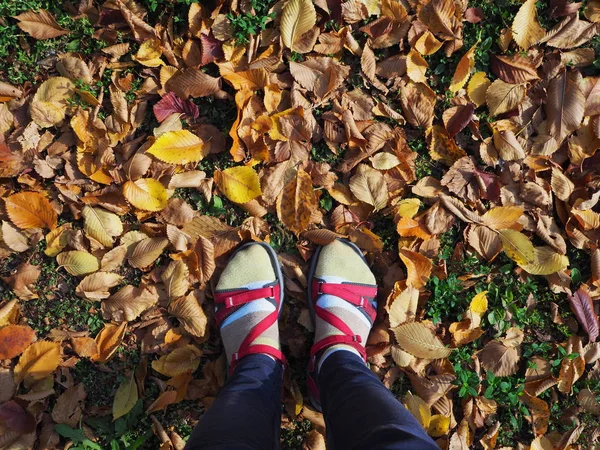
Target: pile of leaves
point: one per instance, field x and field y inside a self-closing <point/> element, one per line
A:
<point x="456" y="144"/>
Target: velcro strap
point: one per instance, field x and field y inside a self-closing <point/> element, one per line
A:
<point x="354" y="341"/>
<point x="236" y="298"/>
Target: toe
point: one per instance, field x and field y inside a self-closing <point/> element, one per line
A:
<point x="340" y="259"/>
<point x="249" y="265"/>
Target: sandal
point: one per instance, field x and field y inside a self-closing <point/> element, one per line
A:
<point x="232" y="301"/>
<point x="361" y="295"/>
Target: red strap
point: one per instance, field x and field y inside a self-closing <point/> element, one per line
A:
<point x="357" y="295"/>
<point x="353" y="341"/>
<point x="255" y="349"/>
<point x="354" y="294"/>
<point x="233" y="299"/>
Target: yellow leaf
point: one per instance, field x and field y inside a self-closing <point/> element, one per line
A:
<point x="49" y="104"/>
<point x="179" y="147"/>
<point x="78" y="262"/>
<point x="438" y="426"/>
<point x="58" y="239"/>
<point x="125" y="398"/>
<point x="408" y="208"/>
<point x="502" y="217"/>
<point x="416" y="67"/>
<point x="179" y="361"/>
<point x="546" y="261"/>
<point x="463" y="70"/>
<point x="526" y="29"/>
<point x="541" y="443"/>
<point x="427" y="44"/>
<point x="418" y="267"/>
<point x="146" y="194"/>
<point x="101" y="225"/>
<point x="418" y="408"/>
<point x="418" y="340"/>
<point x="239" y="184"/>
<point x="479" y="303"/>
<point x="30" y="210"/>
<point x="404" y="306"/>
<point x="384" y="161"/>
<point x="442" y="147"/>
<point x="297" y="18"/>
<point x="517" y="246"/>
<point x="477" y="87"/>
<point x="38" y="361"/>
<point x="149" y="53"/>
<point x="108" y="341"/>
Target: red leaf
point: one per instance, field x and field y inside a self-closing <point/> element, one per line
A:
<point x="458" y="117"/>
<point x="212" y="49"/>
<point x="15" y="418"/>
<point x="559" y="8"/>
<point x="474" y="15"/>
<point x="583" y="308"/>
<point x="171" y="104"/>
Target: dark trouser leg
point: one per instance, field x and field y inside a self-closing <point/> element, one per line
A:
<point x="246" y="414"/>
<point x="360" y="413"/>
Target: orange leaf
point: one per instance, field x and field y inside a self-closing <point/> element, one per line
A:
<point x="14" y="339"/>
<point x="31" y="210"/>
<point x="418" y="266"/>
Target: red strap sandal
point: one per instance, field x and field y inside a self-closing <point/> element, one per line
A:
<point x="359" y="295"/>
<point x="229" y="301"/>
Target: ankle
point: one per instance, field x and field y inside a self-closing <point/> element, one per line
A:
<point x="327" y="352"/>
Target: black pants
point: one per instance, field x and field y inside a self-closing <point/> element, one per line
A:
<point x="360" y="413"/>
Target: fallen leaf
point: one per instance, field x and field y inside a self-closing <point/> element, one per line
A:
<point x="526" y="29"/>
<point x="179" y="361"/>
<point x="40" y="25"/>
<point x="14" y="340"/>
<point x="178" y="147"/>
<point x="38" y="361"/>
<point x="239" y="184"/>
<point x="125" y="398"/>
<point x="30" y="210"/>
<point x="418" y="340"/>
<point x="78" y="262"/>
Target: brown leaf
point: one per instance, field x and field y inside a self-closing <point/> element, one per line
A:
<point x="418" y="103"/>
<point x="193" y="83"/>
<point x="583" y="308"/>
<point x="108" y="340"/>
<point x="457" y="118"/>
<point x="69" y="406"/>
<point x="513" y="69"/>
<point x="190" y="314"/>
<point x="297" y="202"/>
<point x="205" y="253"/>
<point x="40" y="25"/>
<point x="501" y="357"/>
<point x="565" y="106"/>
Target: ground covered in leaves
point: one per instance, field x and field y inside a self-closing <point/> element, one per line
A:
<point x="455" y="142"/>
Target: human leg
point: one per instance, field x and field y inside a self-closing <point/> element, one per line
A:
<point x="248" y="299"/>
<point x="360" y="412"/>
<point x="247" y="411"/>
